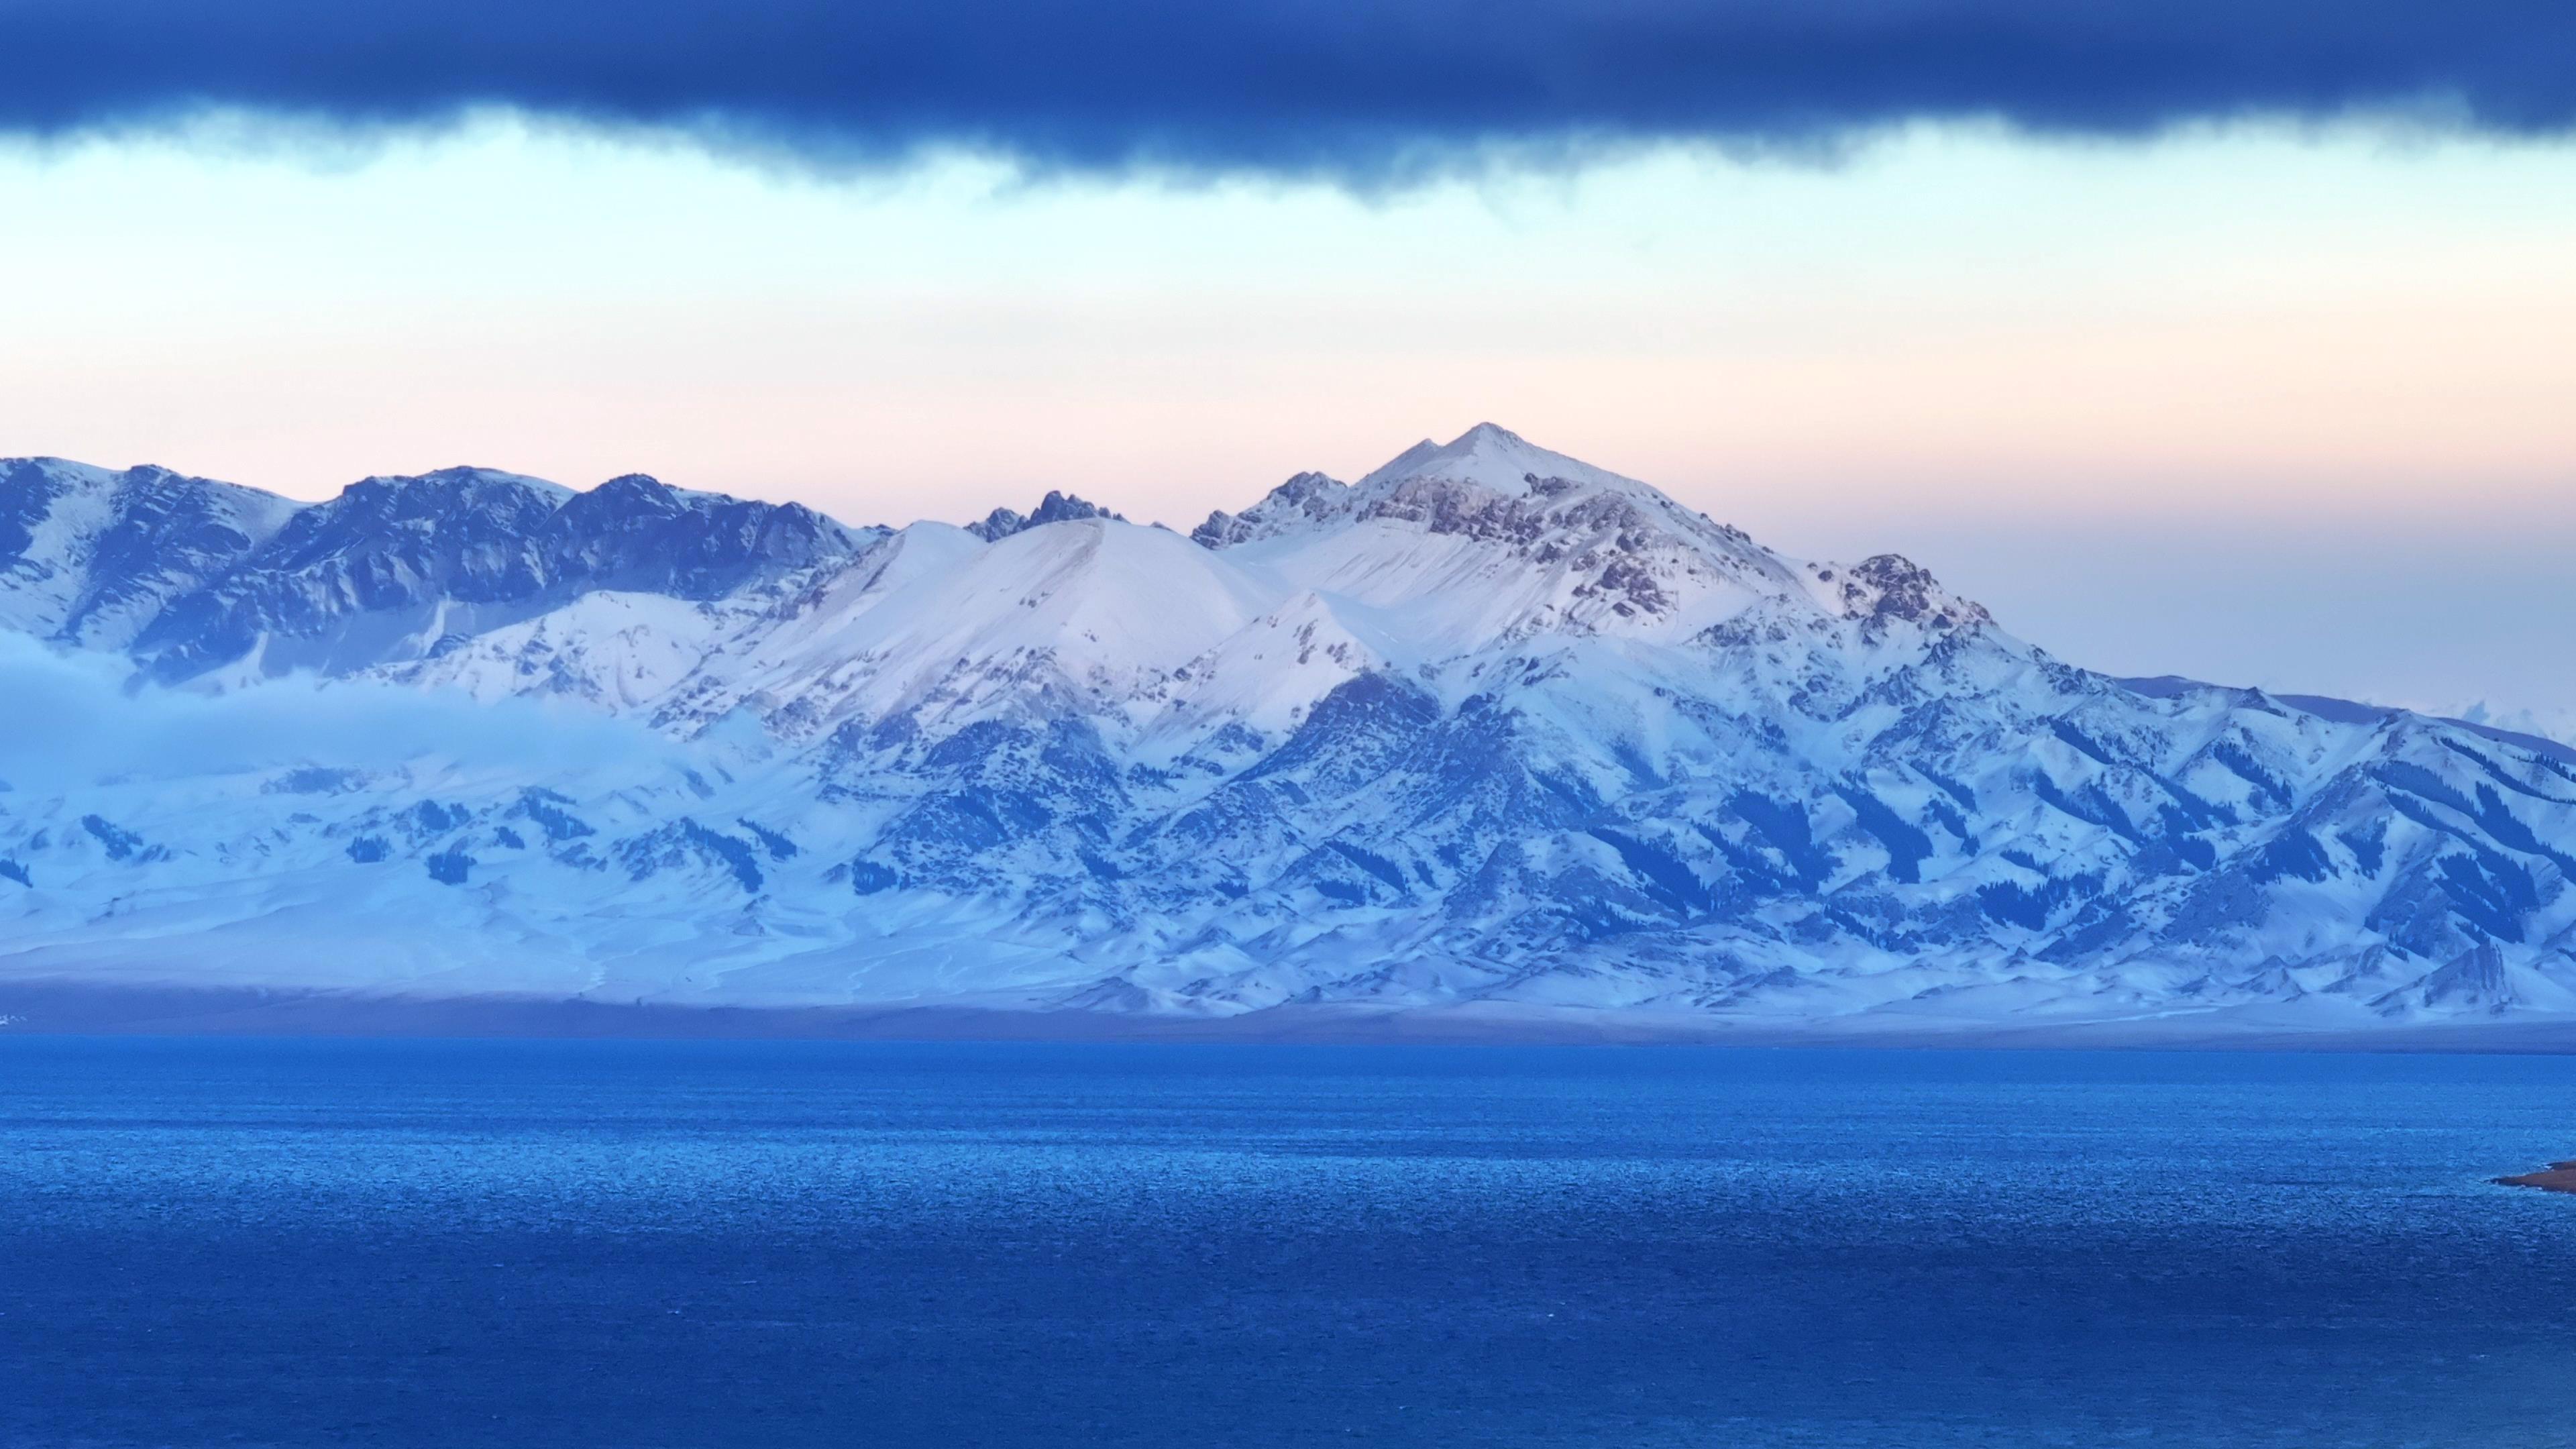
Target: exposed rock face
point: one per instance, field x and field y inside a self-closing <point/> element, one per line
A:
<point x="1056" y="507"/>
<point x="90" y="557"/>
<point x="1310" y="496"/>
<point x="195" y="576"/>
<point x="1488" y="725"/>
<point x="637" y="533"/>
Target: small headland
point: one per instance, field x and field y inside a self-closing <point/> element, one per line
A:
<point x="2559" y="1177"/>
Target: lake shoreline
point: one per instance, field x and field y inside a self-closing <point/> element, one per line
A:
<point x="57" y="1007"/>
<point x="2557" y="1177"/>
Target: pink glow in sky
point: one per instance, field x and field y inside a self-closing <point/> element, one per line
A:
<point x="2264" y="407"/>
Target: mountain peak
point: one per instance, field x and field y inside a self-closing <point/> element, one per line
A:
<point x="1888" y="586"/>
<point x="1308" y="493"/>
<point x="462" y="480"/>
<point x="1492" y="456"/>
<point x="1056" y="507"/>
<point x="1497" y="731"/>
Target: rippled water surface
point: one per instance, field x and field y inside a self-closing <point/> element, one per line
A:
<point x="642" y="1244"/>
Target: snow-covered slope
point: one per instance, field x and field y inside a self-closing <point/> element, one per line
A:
<point x="199" y="578"/>
<point x="1491" y="539"/>
<point x="1489" y="725"/>
<point x="89" y="556"/>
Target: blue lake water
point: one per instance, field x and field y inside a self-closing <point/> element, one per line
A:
<point x="681" y="1244"/>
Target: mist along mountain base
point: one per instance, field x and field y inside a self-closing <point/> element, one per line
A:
<point x="1487" y="728"/>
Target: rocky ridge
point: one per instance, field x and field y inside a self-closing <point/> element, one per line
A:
<point x="1488" y="727"/>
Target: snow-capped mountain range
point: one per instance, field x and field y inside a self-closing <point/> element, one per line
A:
<point x="1488" y="728"/>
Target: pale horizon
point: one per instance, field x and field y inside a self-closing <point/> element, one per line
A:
<point x="2121" y="391"/>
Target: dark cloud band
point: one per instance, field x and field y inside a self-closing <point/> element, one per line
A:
<point x="1351" y="88"/>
